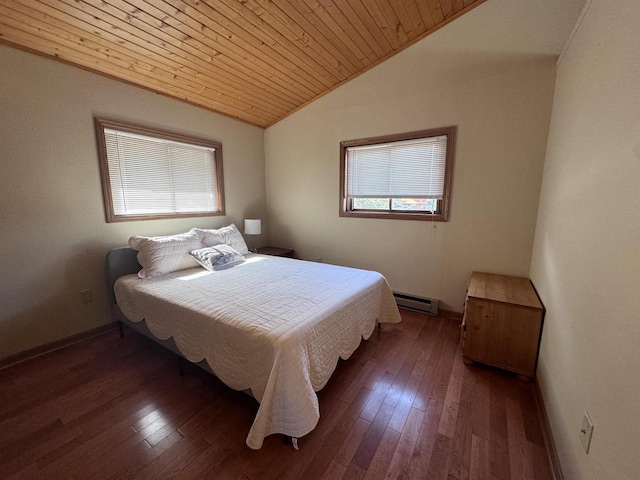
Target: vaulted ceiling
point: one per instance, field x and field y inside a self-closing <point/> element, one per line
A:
<point x="254" y="60"/>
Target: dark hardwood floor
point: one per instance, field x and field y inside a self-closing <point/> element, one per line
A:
<point x="403" y="406"/>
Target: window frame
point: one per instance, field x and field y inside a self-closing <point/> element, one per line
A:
<point x="441" y="215"/>
<point x="101" y="124"/>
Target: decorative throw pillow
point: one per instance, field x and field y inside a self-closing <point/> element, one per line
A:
<point x="227" y="235"/>
<point x="162" y="255"/>
<point x="218" y="257"/>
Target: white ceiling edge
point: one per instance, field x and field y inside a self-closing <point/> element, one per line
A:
<point x="583" y="14"/>
<point x="539" y="27"/>
<point x="490" y="36"/>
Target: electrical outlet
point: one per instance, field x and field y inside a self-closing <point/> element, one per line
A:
<point x="586" y="431"/>
<point x="86" y="296"/>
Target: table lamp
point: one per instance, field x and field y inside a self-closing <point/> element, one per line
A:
<point x="252" y="227"/>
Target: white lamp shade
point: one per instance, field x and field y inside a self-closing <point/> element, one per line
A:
<point x="252" y="227"/>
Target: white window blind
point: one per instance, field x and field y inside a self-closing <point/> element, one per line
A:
<point x="151" y="175"/>
<point x="402" y="169"/>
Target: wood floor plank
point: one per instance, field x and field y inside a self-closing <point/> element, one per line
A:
<point x="541" y="465"/>
<point x="20" y="461"/>
<point x="129" y="465"/>
<point x="481" y="406"/>
<point x="335" y="471"/>
<point x="383" y="455"/>
<point x="348" y="394"/>
<point x="350" y="444"/>
<point x="388" y="341"/>
<point x="214" y="469"/>
<point x="28" y="473"/>
<point x="398" y="468"/>
<point x="449" y="417"/>
<point x="328" y="451"/>
<point x="111" y="408"/>
<point x="445" y="365"/>
<point x="96" y="446"/>
<point x="173" y="460"/>
<point x="408" y="396"/>
<point x="423" y="451"/>
<point x="440" y="459"/>
<point x="480" y="463"/>
<point x="371" y="379"/>
<point x="354" y="472"/>
<point x="498" y="442"/>
<point x="423" y="395"/>
<point x="372" y="438"/>
<point x="377" y="397"/>
<point x="461" y="445"/>
<point x="122" y="451"/>
<point x="30" y="440"/>
<point x="397" y="358"/>
<point x="520" y="450"/>
<point x="528" y="406"/>
<point x="399" y="383"/>
<point x="209" y="459"/>
<point x="431" y="371"/>
<point x="292" y="463"/>
<point x="233" y="424"/>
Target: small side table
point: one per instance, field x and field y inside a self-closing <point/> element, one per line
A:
<point x="502" y="323"/>
<point x="277" y="251"/>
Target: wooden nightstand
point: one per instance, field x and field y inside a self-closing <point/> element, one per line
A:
<point x="502" y="323"/>
<point x="277" y="251"/>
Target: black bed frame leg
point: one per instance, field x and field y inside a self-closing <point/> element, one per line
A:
<point x="121" y="329"/>
<point x="286" y="439"/>
<point x="181" y="366"/>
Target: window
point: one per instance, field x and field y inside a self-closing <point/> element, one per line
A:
<point x="149" y="174"/>
<point x="402" y="176"/>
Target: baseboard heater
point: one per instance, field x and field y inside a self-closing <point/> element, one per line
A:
<point x="419" y="304"/>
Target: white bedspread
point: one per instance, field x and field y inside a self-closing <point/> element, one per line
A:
<point x="273" y="325"/>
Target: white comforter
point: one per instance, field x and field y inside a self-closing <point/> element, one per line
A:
<point x="273" y="325"/>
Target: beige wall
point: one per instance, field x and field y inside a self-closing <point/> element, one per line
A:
<point x="54" y="236"/>
<point x="586" y="259"/>
<point x="501" y="105"/>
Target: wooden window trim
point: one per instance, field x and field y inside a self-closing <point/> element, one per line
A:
<point x="101" y="124"/>
<point x="442" y="215"/>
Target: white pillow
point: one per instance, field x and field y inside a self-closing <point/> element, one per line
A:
<point x="218" y="257"/>
<point x="227" y="235"/>
<point x="162" y="255"/>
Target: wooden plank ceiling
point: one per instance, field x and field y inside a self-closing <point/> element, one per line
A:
<point x="254" y="60"/>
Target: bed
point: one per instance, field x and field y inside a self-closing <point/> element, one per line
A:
<point x="272" y="326"/>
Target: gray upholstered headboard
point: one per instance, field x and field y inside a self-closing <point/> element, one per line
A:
<point x="120" y="261"/>
<point x="123" y="261"/>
